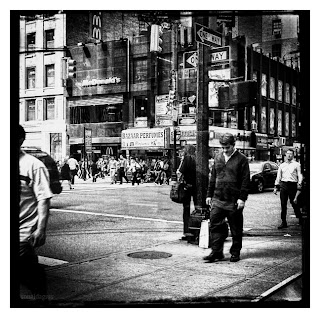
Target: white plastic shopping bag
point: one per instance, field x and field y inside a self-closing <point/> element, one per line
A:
<point x="204" y="234"/>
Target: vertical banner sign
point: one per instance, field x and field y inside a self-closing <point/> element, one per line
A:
<point x="95" y="25"/>
<point x="88" y="140"/>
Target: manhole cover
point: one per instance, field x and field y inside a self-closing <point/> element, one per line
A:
<point x="150" y="255"/>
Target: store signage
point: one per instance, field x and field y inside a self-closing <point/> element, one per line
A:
<point x="106" y="81"/>
<point x="88" y="140"/>
<point x="144" y="138"/>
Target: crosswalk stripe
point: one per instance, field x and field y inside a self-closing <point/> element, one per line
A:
<point x="47" y="261"/>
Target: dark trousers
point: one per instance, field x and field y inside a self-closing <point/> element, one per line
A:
<point x="136" y="177"/>
<point x="191" y="193"/>
<point x="219" y="229"/>
<point x="31" y="274"/>
<point x="122" y="175"/>
<point x="73" y="173"/>
<point x="288" y="191"/>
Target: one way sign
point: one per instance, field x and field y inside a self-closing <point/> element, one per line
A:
<point x="190" y="59"/>
<point x="207" y="36"/>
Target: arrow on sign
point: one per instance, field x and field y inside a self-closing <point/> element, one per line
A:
<point x="193" y="60"/>
<point x="203" y="35"/>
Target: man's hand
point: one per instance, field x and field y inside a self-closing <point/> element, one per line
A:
<point x="37" y="238"/>
<point x="275" y="190"/>
<point x="240" y="204"/>
<point x="208" y="201"/>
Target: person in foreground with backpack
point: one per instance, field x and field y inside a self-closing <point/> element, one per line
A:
<point x="188" y="171"/>
<point x="35" y="195"/>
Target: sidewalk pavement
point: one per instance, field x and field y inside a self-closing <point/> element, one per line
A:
<point x="158" y="269"/>
<point x="171" y="272"/>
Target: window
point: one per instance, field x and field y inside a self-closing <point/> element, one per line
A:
<point x="31" y="41"/>
<point x="49" y="111"/>
<point x="287" y="93"/>
<point x="276" y="50"/>
<point x="272" y="88"/>
<point x="31" y="109"/>
<point x="274" y="166"/>
<point x="49" y="39"/>
<point x="276" y="27"/>
<point x="95" y="114"/>
<point x="294" y="130"/>
<point x="49" y="76"/>
<point x="294" y="95"/>
<point x="271" y="124"/>
<point x="31" y="77"/>
<point x="280" y="90"/>
<point x="139" y="71"/>
<point x="264" y="85"/>
<point x="280" y="122"/>
<point x="286" y="132"/>
<point x="263" y="119"/>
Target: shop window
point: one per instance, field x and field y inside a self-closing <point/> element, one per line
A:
<point x="294" y="130"/>
<point x="140" y="106"/>
<point x="31" y="109"/>
<point x="286" y="132"/>
<point x="49" y="75"/>
<point x="271" y="127"/>
<point x="31" y="41"/>
<point x="263" y="120"/>
<point x="49" y="39"/>
<point x="49" y="111"/>
<point x="31" y="77"/>
<point x="56" y="146"/>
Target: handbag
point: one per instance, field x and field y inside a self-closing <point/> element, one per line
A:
<point x="204" y="234"/>
<point x="178" y="192"/>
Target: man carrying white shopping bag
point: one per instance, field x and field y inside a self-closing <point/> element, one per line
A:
<point x="204" y="234"/>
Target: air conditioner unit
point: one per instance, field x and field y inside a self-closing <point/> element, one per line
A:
<point x="282" y="141"/>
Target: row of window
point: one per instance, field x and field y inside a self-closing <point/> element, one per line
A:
<point x="289" y="95"/>
<point x="49" y="77"/>
<point x="48" y="109"/>
<point x="48" y="40"/>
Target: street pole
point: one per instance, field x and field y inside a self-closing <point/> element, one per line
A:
<point x="202" y="137"/>
<point x="174" y="87"/>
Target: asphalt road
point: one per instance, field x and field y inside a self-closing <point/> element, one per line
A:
<point x="79" y="218"/>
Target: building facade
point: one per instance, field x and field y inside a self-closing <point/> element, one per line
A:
<point x="123" y="93"/>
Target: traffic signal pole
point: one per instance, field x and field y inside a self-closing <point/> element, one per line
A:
<point x="202" y="137"/>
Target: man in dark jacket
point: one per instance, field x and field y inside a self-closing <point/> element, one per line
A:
<point x="227" y="192"/>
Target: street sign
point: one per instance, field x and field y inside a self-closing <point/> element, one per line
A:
<point x="88" y="140"/>
<point x="190" y="59"/>
<point x="219" y="55"/>
<point x="207" y="36"/>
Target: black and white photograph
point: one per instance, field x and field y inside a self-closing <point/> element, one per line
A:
<point x="161" y="158"/>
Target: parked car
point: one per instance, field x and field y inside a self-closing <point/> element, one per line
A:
<point x="262" y="174"/>
<point x="51" y="165"/>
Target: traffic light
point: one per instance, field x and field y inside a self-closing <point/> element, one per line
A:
<point x="238" y="93"/>
<point x="156" y="38"/>
<point x="72" y="68"/>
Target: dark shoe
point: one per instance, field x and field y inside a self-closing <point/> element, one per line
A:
<point x="235" y="258"/>
<point x="282" y="226"/>
<point x="213" y="257"/>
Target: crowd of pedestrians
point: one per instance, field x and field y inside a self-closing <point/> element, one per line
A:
<point x="130" y="169"/>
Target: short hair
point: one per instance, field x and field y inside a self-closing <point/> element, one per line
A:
<point x="291" y="149"/>
<point x="21" y="133"/>
<point x="190" y="150"/>
<point x="227" y="139"/>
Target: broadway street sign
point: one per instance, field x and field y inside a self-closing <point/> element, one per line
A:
<point x="207" y="36"/>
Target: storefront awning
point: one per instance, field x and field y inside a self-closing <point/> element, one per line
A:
<point x="110" y="100"/>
